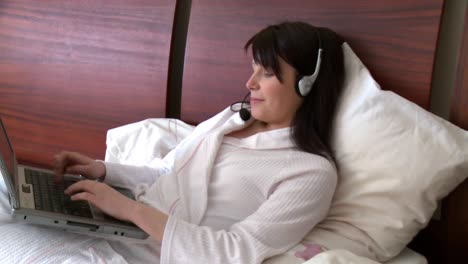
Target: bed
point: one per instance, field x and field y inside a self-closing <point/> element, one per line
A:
<point x="73" y="72"/>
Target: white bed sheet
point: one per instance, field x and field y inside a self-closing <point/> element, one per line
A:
<point x="408" y="256"/>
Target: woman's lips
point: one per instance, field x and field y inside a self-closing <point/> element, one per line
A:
<point x="255" y="100"/>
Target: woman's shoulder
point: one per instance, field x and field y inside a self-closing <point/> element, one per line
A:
<point x="306" y="171"/>
<point x="309" y="162"/>
<point x="297" y="153"/>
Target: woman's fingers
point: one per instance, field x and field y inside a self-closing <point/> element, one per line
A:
<point x="59" y="164"/>
<point x="70" y="162"/>
<point x="77" y="169"/>
<point x="103" y="197"/>
<point x="83" y="190"/>
<point x="84" y="196"/>
<point x="66" y="158"/>
<point x="82" y="186"/>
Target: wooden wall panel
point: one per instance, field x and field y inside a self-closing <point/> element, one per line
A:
<point x="71" y="70"/>
<point x="454" y="209"/>
<point x="395" y="40"/>
<point x="459" y="109"/>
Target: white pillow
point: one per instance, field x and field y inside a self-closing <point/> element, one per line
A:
<point x="395" y="160"/>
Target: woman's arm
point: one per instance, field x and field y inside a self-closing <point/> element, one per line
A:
<point x="129" y="176"/>
<point x="151" y="220"/>
<point x="120" y="175"/>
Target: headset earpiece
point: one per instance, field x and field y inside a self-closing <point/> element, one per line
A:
<point x="305" y="83"/>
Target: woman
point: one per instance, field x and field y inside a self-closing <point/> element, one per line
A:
<point x="238" y="191"/>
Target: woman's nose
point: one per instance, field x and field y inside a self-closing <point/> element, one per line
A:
<point x="251" y="83"/>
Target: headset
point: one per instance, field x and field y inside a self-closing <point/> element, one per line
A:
<point x="303" y="85"/>
<point x="243" y="112"/>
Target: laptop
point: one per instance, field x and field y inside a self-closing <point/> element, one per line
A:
<point x="35" y="198"/>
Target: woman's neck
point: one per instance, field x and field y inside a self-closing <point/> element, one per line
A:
<point x="254" y="128"/>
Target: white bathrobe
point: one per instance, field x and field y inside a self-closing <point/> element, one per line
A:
<point x="297" y="187"/>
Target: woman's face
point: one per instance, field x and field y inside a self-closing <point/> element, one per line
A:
<point x="271" y="101"/>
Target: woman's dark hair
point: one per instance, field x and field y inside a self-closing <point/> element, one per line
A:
<point x="297" y="43"/>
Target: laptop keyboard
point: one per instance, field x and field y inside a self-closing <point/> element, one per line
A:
<point x="49" y="196"/>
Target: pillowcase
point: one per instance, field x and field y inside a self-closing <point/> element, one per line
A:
<point x="395" y="161"/>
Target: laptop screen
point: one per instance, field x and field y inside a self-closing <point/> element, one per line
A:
<point x="7" y="158"/>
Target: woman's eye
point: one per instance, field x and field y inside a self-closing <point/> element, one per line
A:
<point x="268" y="74"/>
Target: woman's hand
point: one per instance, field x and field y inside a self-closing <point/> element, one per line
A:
<point x="103" y="197"/>
<point x="115" y="204"/>
<point x="76" y="163"/>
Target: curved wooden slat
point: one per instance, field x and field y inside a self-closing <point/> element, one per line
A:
<point x="71" y="70"/>
<point x="455" y="215"/>
<point x="459" y="106"/>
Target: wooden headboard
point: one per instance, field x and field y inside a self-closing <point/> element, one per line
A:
<point x="71" y="70"/>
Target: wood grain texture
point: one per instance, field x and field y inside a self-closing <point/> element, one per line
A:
<point x="71" y="70"/>
<point x="395" y="40"/>
<point x="459" y="106"/>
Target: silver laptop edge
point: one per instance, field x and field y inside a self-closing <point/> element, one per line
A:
<point x="12" y="191"/>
